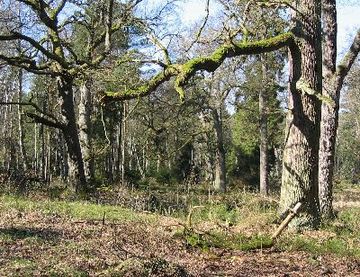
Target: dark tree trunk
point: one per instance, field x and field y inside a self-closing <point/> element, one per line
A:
<point x="300" y="162"/>
<point x="71" y="134"/>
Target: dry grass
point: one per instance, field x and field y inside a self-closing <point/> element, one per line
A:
<point x="58" y="238"/>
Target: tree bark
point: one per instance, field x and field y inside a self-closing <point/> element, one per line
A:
<point x="264" y="174"/>
<point x="220" y="168"/>
<point x="329" y="111"/>
<point x="300" y="162"/>
<point x="332" y="84"/>
<point x="21" y="122"/>
<point x="71" y="134"/>
<point x="123" y="142"/>
<point x="84" y="122"/>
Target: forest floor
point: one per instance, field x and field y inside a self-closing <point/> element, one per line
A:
<point x="39" y="237"/>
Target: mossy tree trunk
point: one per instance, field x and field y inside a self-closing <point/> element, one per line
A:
<point x="300" y="161"/>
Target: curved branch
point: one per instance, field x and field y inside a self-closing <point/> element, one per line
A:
<point x="28" y="64"/>
<point x="45" y="121"/>
<point x="37" y="108"/>
<point x="202" y="27"/>
<point x="183" y="72"/>
<point x="35" y="44"/>
<point x="349" y="59"/>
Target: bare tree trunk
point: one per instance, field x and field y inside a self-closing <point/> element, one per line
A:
<point x="264" y="174"/>
<point x="36" y="151"/>
<point x="22" y="149"/>
<point x="123" y="143"/>
<point x="329" y="111"/>
<point x="84" y="122"/>
<point x="71" y="135"/>
<point x="300" y="162"/>
<point x="43" y="149"/>
<point x="220" y="168"/>
<point x="333" y="82"/>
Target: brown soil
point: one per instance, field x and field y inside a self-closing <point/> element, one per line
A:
<point x="36" y="245"/>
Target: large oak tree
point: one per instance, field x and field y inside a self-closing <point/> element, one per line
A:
<point x="301" y="153"/>
<point x="46" y="34"/>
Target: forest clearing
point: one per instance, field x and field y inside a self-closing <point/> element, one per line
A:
<point x="40" y="237"/>
<point x="179" y="138"/>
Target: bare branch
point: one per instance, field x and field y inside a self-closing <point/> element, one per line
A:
<point x="28" y="64"/>
<point x="60" y="8"/>
<point x="34" y="43"/>
<point x="201" y="29"/>
<point x="45" y="121"/>
<point x="346" y="63"/>
<point x="36" y="107"/>
<point x="157" y="43"/>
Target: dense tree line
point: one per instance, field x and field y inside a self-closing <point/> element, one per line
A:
<point x="85" y="98"/>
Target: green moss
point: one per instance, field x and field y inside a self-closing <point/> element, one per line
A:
<point x="226" y="241"/>
<point x="185" y="71"/>
<point x="263" y="45"/>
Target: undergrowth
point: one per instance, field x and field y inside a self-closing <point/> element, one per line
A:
<point x="234" y="221"/>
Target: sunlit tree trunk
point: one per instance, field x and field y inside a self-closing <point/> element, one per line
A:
<point x="300" y="161"/>
<point x="264" y="173"/>
<point x="329" y="110"/>
<point x="21" y="131"/>
<point x="220" y="168"/>
<point x="333" y="81"/>
<point x="84" y="122"/>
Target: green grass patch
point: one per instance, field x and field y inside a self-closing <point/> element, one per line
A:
<point x="205" y="241"/>
<point x="340" y="236"/>
<point x="76" y="210"/>
<point x="20" y="267"/>
<point x="337" y="246"/>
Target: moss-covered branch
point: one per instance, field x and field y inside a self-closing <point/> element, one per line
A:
<point x="183" y="72"/>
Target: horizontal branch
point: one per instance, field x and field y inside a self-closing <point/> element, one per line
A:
<point x="54" y="121"/>
<point x="45" y="121"/>
<point x="183" y="72"/>
<point x="28" y="64"/>
<point x="35" y="44"/>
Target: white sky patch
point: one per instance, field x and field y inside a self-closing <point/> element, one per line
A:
<point x="348" y="23"/>
<point x="194" y="10"/>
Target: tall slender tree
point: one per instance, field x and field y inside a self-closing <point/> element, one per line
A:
<point x="333" y="80"/>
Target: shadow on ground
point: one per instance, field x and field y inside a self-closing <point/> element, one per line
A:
<point x="23" y="233"/>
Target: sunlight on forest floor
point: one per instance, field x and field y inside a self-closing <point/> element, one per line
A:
<point x="228" y="235"/>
